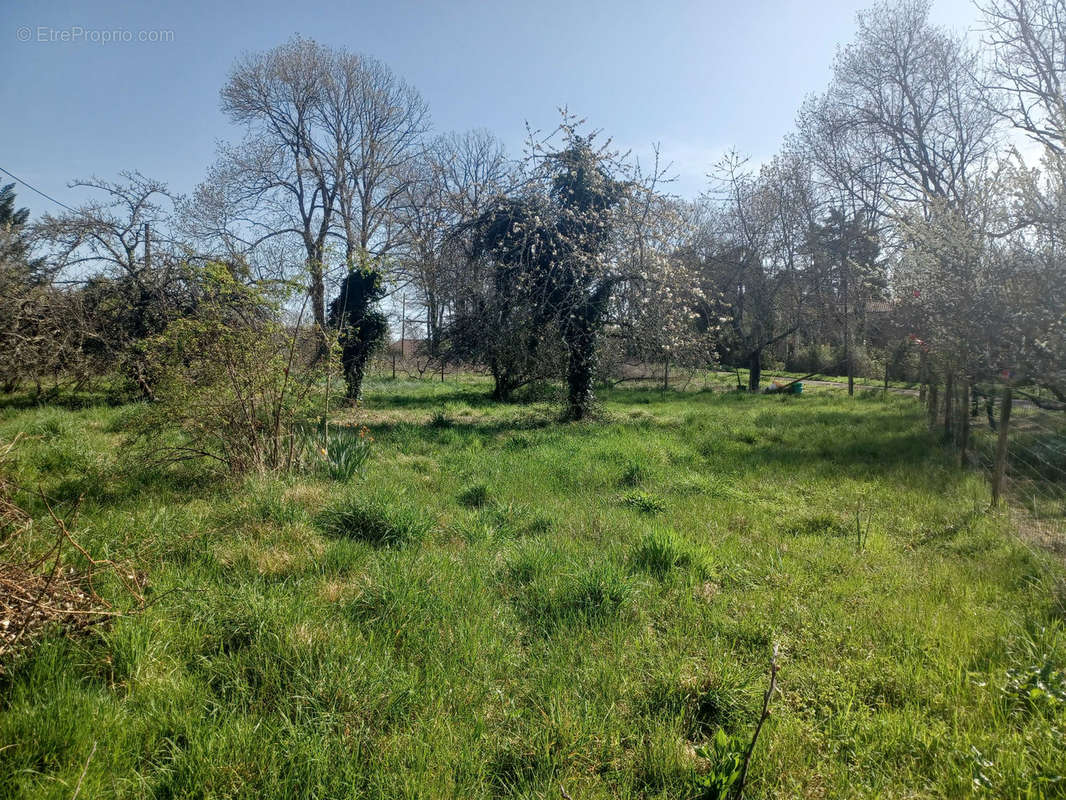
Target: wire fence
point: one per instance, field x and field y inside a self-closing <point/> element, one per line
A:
<point x="1020" y="440"/>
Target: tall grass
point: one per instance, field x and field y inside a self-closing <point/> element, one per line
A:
<point x="501" y="605"/>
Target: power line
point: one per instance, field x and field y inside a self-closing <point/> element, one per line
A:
<point x="33" y="188"/>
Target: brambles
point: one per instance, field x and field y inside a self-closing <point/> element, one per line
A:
<point x="49" y="583"/>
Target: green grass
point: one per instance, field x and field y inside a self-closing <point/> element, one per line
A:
<point x="502" y="604"/>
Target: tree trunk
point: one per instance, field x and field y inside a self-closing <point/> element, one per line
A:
<point x="317" y="292"/>
<point x="848" y="359"/>
<point x="502" y="382"/>
<point x="754" y="370"/>
<point x="580" y="365"/>
<point x="354" y="362"/>
<point x="502" y="390"/>
<point x="579" y="334"/>
<point x="923" y="376"/>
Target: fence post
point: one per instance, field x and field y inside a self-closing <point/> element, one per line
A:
<point x="1006" y="401"/>
<point x="964" y="421"/>
<point x="949" y="406"/>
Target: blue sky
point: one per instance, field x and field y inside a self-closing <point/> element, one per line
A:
<point x="698" y="77"/>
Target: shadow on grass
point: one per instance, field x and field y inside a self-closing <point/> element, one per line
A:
<point x="53" y="398"/>
<point x="827" y="454"/>
<point x="138" y="485"/>
<point x="453" y="432"/>
<point x="475" y="398"/>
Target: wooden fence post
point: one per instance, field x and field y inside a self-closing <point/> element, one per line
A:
<point x="949" y="406"/>
<point x="1006" y="401"/>
<point x="964" y="421"/>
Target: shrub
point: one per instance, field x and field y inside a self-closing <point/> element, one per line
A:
<point x="230" y="384"/>
<point x="813" y="358"/>
<point x="378" y="520"/>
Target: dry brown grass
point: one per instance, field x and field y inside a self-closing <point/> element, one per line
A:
<point x="39" y="586"/>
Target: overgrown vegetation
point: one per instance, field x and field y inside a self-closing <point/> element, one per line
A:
<point x="525" y="587"/>
<point x="387" y="635"/>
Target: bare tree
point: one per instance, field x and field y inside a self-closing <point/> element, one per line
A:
<point x="1027" y="70"/>
<point x="750" y="249"/>
<point x="377" y="124"/>
<point x="907" y="93"/>
<point x="1027" y="39"/>
<point x="333" y="136"/>
<point x="285" y="165"/>
<point x="460" y="175"/>
<point x="106" y="234"/>
<point x="121" y="237"/>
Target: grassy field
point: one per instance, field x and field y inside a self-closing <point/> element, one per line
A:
<point x="503" y="605"/>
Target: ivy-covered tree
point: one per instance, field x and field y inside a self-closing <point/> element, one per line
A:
<point x="580" y="279"/>
<point x="361" y="326"/>
<point x="550" y="254"/>
<point x="501" y="319"/>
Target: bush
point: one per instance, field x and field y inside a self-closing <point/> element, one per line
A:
<point x="813" y="358"/>
<point x="230" y="384"/>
